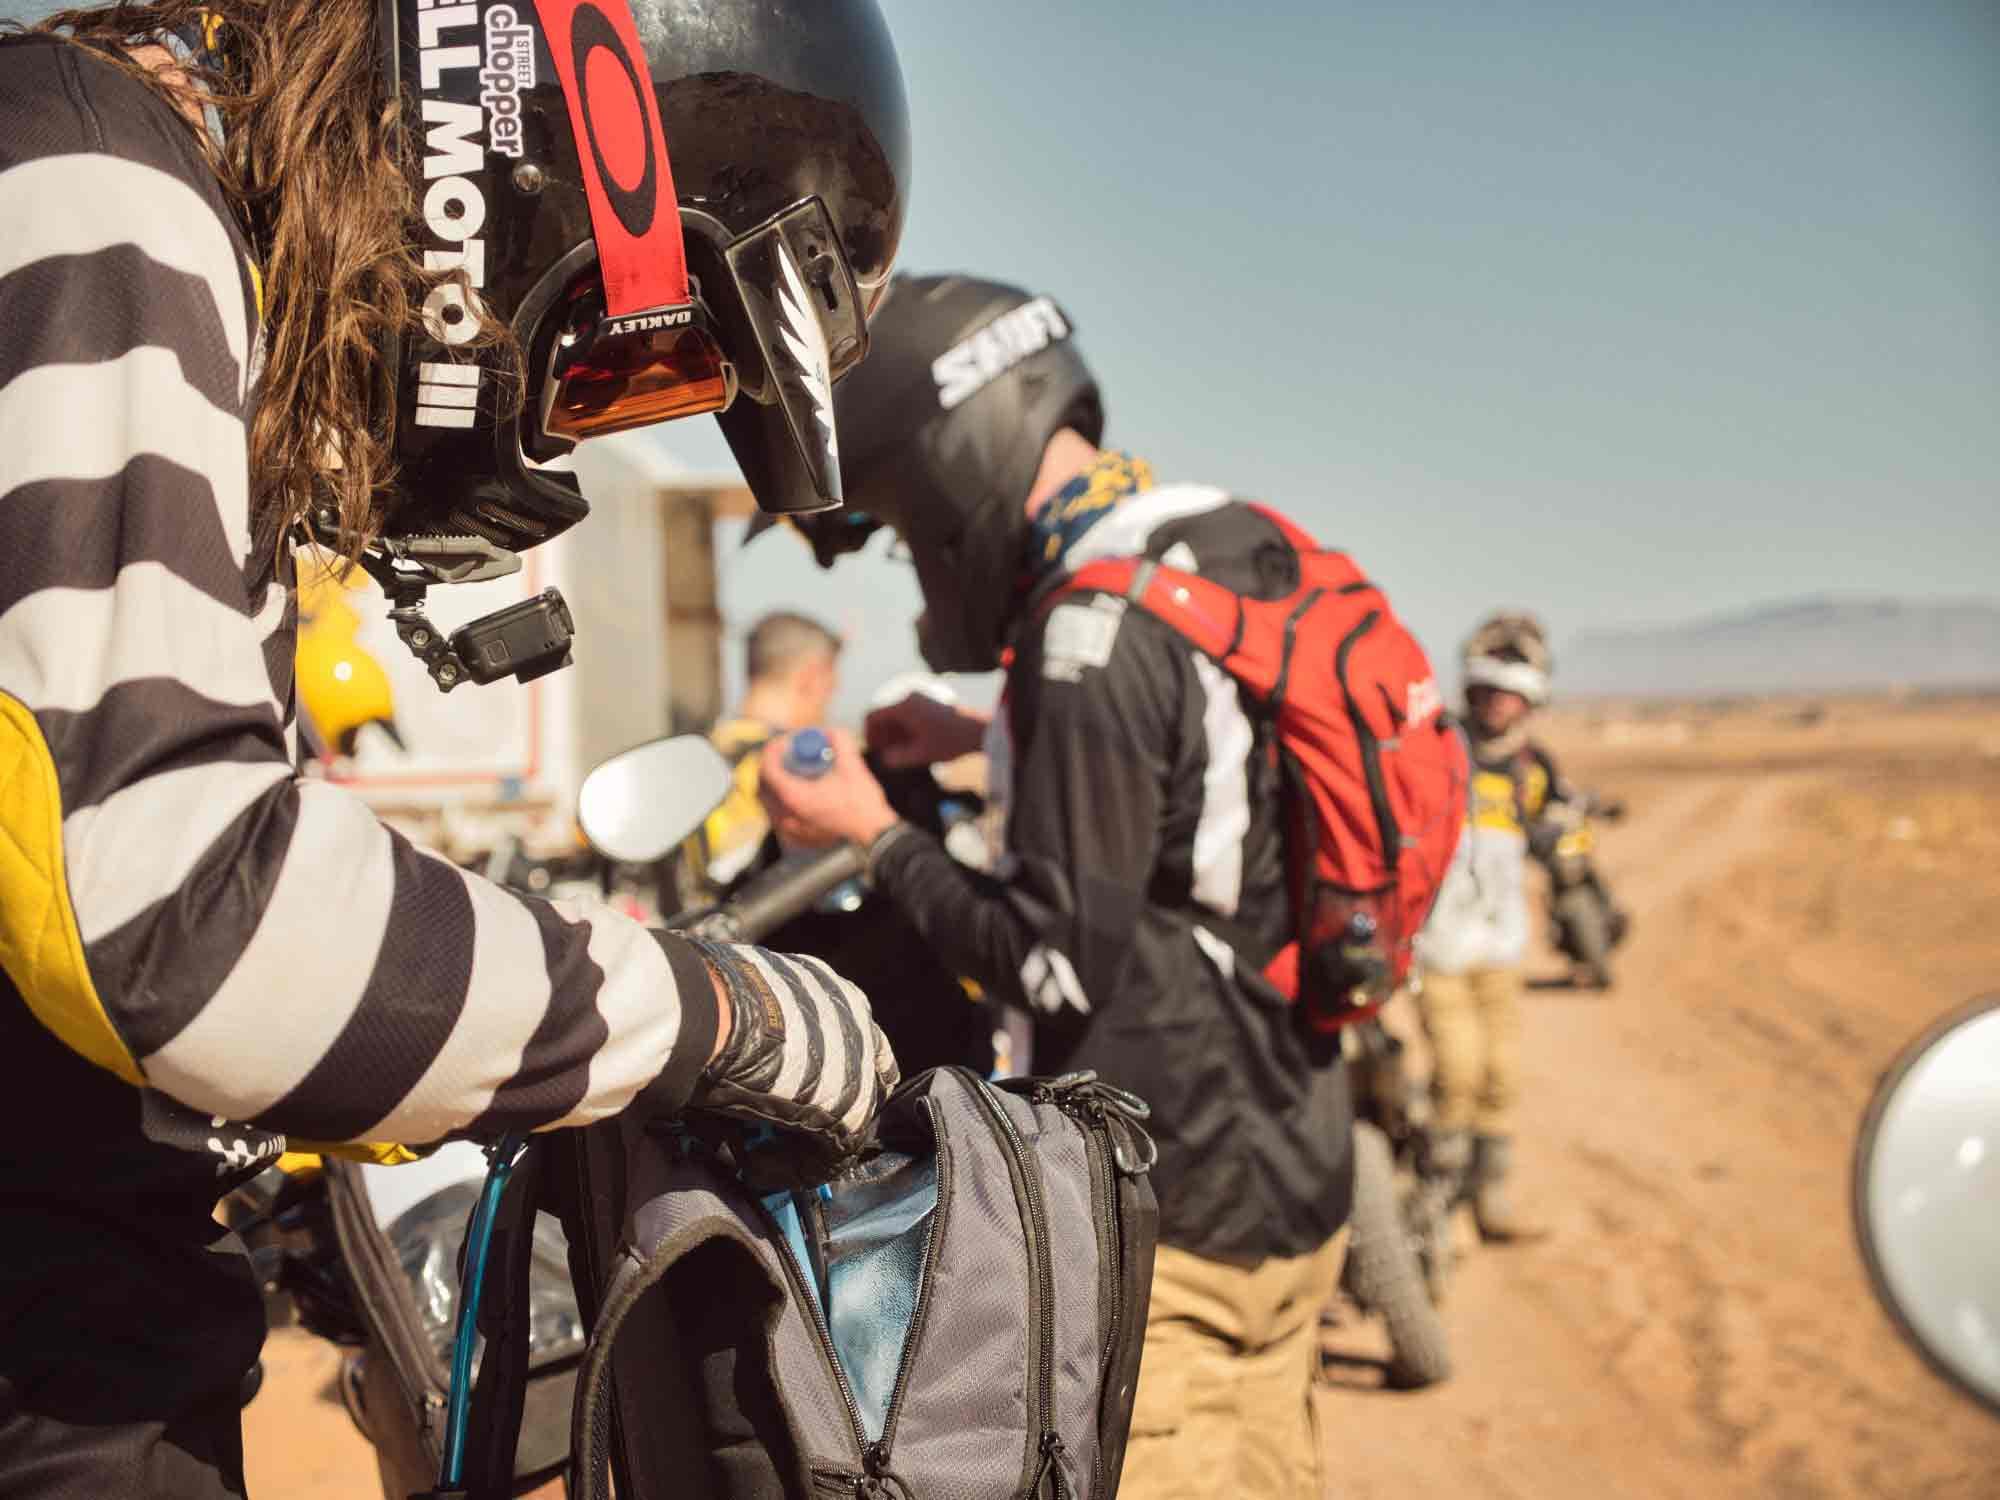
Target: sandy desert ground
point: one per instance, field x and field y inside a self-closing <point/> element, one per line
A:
<point x="1811" y="884"/>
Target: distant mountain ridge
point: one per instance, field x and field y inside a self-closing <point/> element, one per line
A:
<point x="1819" y="644"/>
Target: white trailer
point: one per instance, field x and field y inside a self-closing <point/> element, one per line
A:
<point x="639" y="578"/>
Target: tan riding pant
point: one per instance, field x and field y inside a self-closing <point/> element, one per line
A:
<point x="1474" y="1024"/>
<point x="1224" y="1406"/>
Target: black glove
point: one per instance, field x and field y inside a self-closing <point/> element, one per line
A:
<point x="804" y="1056"/>
<point x="1543" y="836"/>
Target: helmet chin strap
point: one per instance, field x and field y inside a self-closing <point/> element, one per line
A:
<point x="608" y="86"/>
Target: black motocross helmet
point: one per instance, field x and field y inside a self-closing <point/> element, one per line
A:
<point x="681" y="206"/>
<point x="942" y="432"/>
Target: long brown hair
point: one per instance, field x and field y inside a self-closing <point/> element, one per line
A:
<point x="311" y="163"/>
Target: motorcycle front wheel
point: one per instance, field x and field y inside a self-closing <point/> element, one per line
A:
<point x="1585" y="925"/>
<point x="1383" y="1273"/>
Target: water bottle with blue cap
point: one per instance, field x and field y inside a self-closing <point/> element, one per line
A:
<point x="810" y="754"/>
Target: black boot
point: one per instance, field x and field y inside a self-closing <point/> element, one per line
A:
<point x="1446" y="1158"/>
<point x="1500" y="1218"/>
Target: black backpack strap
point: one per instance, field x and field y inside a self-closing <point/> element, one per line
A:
<point x="700" y="1310"/>
<point x="493" y="1429"/>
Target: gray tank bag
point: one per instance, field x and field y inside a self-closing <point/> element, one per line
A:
<point x="959" y="1317"/>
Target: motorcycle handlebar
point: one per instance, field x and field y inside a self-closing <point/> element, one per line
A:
<point x="772" y="900"/>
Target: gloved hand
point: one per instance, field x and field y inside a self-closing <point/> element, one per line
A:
<point x="804" y="1054"/>
<point x="920" y="730"/>
<point x="1543" y="836"/>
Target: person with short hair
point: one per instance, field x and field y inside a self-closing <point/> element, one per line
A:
<point x="1141" y="883"/>
<point x="791" y="668"/>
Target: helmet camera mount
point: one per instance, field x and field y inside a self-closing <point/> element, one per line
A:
<point x="524" y="641"/>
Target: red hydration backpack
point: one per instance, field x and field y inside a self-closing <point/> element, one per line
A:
<point x="1375" y="775"/>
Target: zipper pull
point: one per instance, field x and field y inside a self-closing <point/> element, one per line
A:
<point x="1053" y="1454"/>
<point x="1131" y="1147"/>
<point x="841" y="1482"/>
<point x="1057" y="1090"/>
<point x="1124" y="1101"/>
<point x="880" y="1482"/>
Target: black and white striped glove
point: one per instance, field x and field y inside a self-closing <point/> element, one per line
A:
<point x="804" y="1053"/>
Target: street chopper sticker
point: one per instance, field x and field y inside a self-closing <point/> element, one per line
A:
<point x="474" y="67"/>
<point x="508" y="73"/>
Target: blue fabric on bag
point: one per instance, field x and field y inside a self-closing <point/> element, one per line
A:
<point x="878" y="1225"/>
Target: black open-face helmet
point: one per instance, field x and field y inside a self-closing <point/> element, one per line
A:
<point x="681" y="206"/>
<point x="942" y="432"/>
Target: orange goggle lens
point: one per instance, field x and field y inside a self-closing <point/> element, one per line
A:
<point x="622" y="376"/>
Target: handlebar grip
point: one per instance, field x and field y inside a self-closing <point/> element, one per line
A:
<point x="772" y="900"/>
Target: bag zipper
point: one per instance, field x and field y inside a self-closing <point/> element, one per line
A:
<point x="875" y="1455"/>
<point x="1090" y="1114"/>
<point x="823" y="1334"/>
<point x="877" y="1458"/>
<point x="1051" y="1443"/>
<point x="420" y="1386"/>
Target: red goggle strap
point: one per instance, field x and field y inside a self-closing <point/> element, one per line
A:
<point x="616" y="120"/>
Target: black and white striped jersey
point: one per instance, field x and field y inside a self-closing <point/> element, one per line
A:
<point x="1143" y="860"/>
<point x="191" y="934"/>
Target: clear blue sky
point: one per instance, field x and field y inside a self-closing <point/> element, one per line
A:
<point x="1629" y="312"/>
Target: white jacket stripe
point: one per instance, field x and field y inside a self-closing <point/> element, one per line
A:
<point x="138" y="846"/>
<point x="65" y="648"/>
<point x="89" y="421"/>
<point x="1225" y="800"/>
<point x="84" y="202"/>
<point x="224" y="1060"/>
<point x="637" y="1001"/>
<point x="510" y="977"/>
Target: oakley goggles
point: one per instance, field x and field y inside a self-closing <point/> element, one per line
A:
<point x="774" y="317"/>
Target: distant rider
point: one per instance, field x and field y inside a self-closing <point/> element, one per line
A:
<point x="1474" y="947"/>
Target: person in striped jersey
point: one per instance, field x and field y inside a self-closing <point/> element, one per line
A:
<point x="218" y="314"/>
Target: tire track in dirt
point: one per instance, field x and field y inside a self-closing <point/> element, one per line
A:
<point x="1699" y="1325"/>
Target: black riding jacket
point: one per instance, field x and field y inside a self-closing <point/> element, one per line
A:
<point x="1142" y="822"/>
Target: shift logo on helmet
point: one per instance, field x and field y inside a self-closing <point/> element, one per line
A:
<point x="969" y="366"/>
<point x="807" y="342"/>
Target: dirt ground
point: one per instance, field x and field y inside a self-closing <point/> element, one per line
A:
<point x="1810" y="888"/>
<point x="1811" y="885"/>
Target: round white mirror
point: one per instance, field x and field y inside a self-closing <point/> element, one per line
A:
<point x="1927" y="1196"/>
<point x="637" y="806"/>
